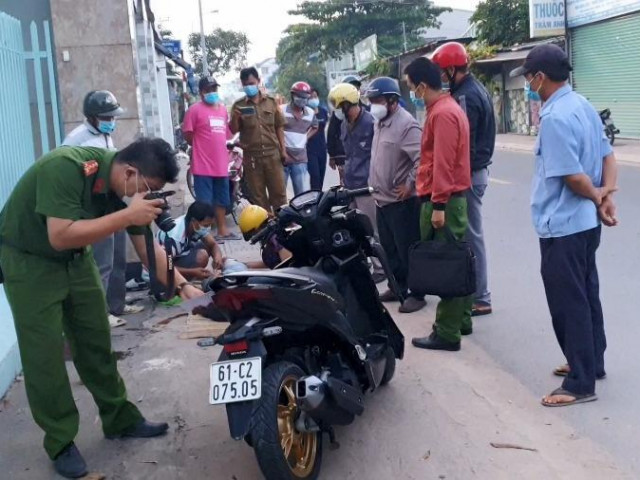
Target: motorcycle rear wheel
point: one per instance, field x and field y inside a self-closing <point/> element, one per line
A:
<point x="390" y="367"/>
<point x="282" y="452"/>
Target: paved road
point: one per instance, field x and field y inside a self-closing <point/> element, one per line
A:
<point x="440" y="414"/>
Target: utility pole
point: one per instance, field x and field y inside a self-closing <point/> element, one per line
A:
<point x="203" y="44"/>
<point x="404" y="36"/>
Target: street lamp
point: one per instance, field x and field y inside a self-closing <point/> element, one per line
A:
<point x="203" y="44"/>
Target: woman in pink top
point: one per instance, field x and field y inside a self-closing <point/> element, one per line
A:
<point x="205" y="128"/>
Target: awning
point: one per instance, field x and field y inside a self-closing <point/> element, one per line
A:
<point x="506" y="57"/>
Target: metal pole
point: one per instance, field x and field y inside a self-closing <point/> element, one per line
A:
<point x="404" y="36"/>
<point x="203" y="44"/>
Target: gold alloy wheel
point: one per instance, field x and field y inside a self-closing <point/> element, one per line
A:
<point x="299" y="448"/>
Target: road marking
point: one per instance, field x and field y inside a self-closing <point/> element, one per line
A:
<point x="499" y="182"/>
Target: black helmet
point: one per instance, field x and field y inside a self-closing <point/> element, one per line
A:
<point x="354" y="80"/>
<point x="101" y="103"/>
<point x="383" y="86"/>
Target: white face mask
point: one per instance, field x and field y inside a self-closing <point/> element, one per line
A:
<point x="127" y="199"/>
<point x="339" y="114"/>
<point x="379" y="111"/>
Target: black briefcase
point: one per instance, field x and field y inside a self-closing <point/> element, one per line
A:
<point x="445" y="268"/>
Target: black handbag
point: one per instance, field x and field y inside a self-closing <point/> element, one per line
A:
<point x="445" y="268"/>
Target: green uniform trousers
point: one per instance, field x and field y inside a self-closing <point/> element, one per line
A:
<point x="452" y="314"/>
<point x="49" y="297"/>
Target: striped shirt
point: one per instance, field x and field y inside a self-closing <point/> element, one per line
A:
<point x="295" y="132"/>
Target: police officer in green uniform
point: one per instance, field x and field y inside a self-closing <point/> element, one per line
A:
<point x="68" y="200"/>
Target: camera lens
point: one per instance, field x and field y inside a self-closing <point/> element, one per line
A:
<point x="165" y="222"/>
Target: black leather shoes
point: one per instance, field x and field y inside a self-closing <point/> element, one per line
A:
<point x="69" y="463"/>
<point x="434" y="342"/>
<point x="143" y="429"/>
<point x="388" y="296"/>
<point x="466" y="331"/>
<point x="412" y="304"/>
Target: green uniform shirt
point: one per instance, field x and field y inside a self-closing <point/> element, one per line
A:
<point x="70" y="183"/>
<point x="258" y="125"/>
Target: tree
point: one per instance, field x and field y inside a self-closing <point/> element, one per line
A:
<point x="502" y="22"/>
<point x="302" y="71"/>
<point x="226" y="50"/>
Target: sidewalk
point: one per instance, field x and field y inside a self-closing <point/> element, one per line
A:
<point x="626" y="150"/>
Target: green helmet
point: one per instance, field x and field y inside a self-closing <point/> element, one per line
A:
<point x="101" y="103"/>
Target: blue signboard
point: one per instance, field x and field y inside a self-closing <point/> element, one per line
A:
<point x="583" y="12"/>
<point x="174" y="46"/>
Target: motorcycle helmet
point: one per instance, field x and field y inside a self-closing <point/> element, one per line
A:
<point x="101" y="103"/>
<point x="301" y="89"/>
<point x="383" y="86"/>
<point x="343" y="92"/>
<point x="354" y="80"/>
<point x="450" y="54"/>
<point x="251" y="219"/>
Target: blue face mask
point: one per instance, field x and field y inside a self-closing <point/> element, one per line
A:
<point x="211" y="98"/>
<point x="202" y="232"/>
<point x="251" y="90"/>
<point x="314" y="102"/>
<point x="418" y="102"/>
<point x="531" y="94"/>
<point x="106" y="127"/>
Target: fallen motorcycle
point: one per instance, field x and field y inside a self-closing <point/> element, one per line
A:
<point x="305" y="342"/>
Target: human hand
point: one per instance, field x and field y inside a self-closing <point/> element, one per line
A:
<point x="142" y="212"/>
<point x="202" y="273"/>
<point x="403" y="191"/>
<point x="189" y="291"/>
<point x="332" y="163"/>
<point x="437" y="219"/>
<point x="607" y="212"/>
<point x="218" y="261"/>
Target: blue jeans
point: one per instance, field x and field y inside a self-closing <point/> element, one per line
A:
<point x="299" y="176"/>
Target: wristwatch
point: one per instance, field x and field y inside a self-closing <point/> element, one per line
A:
<point x="180" y="287"/>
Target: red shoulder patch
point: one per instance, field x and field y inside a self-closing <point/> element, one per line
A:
<point x="98" y="186"/>
<point x="90" y="168"/>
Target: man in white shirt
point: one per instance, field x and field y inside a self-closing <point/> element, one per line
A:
<point x="193" y="242"/>
<point x="101" y="108"/>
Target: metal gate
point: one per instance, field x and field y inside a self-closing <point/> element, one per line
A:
<point x="606" y="66"/>
<point x="24" y="124"/>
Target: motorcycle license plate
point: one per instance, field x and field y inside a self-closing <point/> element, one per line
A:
<point x="235" y="381"/>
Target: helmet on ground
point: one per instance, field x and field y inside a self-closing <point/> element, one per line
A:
<point x="101" y="103"/>
<point x="343" y="92"/>
<point x="383" y="86"/>
<point x="301" y="89"/>
<point x="252" y="218"/>
<point x="450" y="54"/>
<point x="354" y="80"/>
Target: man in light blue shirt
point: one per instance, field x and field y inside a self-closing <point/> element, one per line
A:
<point x="574" y="180"/>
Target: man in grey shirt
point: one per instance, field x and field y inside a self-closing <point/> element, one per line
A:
<point x="395" y="156"/>
<point x="101" y="110"/>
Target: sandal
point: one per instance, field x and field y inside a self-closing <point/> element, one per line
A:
<point x="563" y="371"/>
<point x="577" y="398"/>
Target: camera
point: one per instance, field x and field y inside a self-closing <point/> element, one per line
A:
<point x="164" y="220"/>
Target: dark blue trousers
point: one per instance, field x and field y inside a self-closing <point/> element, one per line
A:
<point x="570" y="277"/>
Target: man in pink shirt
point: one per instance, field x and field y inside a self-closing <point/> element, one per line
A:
<point x="205" y="127"/>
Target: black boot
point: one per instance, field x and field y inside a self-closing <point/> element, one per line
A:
<point x="435" y="342"/>
<point x="143" y="429"/>
<point x="69" y="463"/>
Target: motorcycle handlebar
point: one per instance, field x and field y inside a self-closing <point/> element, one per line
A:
<point x="261" y="234"/>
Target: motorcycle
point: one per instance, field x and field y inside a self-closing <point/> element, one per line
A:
<point x="610" y="129"/>
<point x="307" y="341"/>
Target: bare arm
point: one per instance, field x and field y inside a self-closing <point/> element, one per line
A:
<point x="610" y="173"/>
<point x="311" y="132"/>
<point x="188" y="136"/>
<point x="582" y="185"/>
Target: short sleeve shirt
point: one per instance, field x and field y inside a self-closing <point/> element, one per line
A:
<point x="295" y="132"/>
<point x="571" y="141"/>
<point x="209" y="125"/>
<point x="258" y="124"/>
<point x="85" y="135"/>
<point x="179" y="235"/>
<point x="70" y="183"/>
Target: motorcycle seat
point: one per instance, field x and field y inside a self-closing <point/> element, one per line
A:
<point x="323" y="280"/>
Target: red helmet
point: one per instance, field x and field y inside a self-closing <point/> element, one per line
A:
<point x="450" y="54"/>
<point x="301" y="89"/>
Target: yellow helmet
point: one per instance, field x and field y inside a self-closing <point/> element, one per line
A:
<point x="251" y="218"/>
<point x="344" y="92"/>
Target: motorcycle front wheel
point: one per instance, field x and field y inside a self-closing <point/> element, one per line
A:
<point x="283" y="452"/>
<point x="190" y="183"/>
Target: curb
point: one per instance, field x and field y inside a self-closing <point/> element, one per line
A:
<point x="627" y="158"/>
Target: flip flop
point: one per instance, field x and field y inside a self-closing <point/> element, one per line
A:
<point x="115" y="322"/>
<point x="578" y="398"/>
<point x="563" y="371"/>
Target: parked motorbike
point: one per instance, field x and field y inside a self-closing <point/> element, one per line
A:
<point x="307" y="341"/>
<point x="610" y="129"/>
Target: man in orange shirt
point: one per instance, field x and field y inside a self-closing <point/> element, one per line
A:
<point x="443" y="178"/>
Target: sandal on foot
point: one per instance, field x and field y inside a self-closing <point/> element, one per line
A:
<point x="577" y="398"/>
<point x="563" y="371"/>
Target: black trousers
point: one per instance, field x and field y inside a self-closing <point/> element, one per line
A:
<point x="317" y="167"/>
<point x="399" y="228"/>
<point x="570" y="277"/>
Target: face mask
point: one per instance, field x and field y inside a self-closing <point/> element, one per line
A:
<point x="418" y="102"/>
<point x="379" y="111"/>
<point x="127" y="199"/>
<point x="300" y="102"/>
<point x="531" y="94"/>
<point x="339" y="114"/>
<point x="251" y="90"/>
<point x="314" y="102"/>
<point x="106" y="127"/>
<point x="211" y="98"/>
<point x="201" y="232"/>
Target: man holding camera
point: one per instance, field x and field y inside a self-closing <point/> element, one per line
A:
<point x="68" y="200"/>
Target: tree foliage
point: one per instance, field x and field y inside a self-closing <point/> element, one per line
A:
<point x="502" y="22"/>
<point x="226" y="50"/>
<point x="302" y="71"/>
